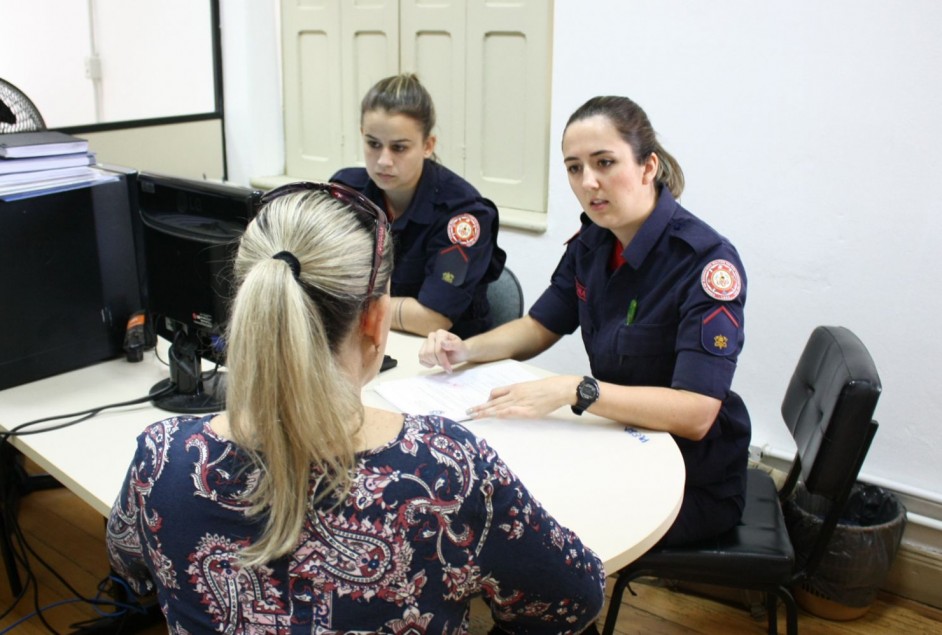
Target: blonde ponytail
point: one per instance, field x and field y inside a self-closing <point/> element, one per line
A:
<point x="290" y="406"/>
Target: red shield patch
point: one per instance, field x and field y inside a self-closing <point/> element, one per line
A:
<point x="721" y="280"/>
<point x="464" y="229"/>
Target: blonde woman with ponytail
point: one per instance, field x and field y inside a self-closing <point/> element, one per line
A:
<point x="659" y="297"/>
<point x="300" y="510"/>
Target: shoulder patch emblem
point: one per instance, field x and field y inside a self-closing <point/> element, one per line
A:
<point x="721" y="280"/>
<point x="464" y="229"/>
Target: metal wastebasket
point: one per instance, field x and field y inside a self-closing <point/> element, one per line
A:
<point x="858" y="556"/>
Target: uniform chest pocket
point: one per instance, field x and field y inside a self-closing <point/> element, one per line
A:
<point x="646" y="340"/>
<point x="645" y="353"/>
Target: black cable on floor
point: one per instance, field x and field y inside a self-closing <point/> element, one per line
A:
<point x="20" y="547"/>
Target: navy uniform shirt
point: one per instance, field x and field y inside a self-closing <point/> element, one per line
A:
<point x="671" y="316"/>
<point x="446" y="249"/>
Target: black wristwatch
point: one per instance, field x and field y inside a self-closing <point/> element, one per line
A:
<point x="586" y="394"/>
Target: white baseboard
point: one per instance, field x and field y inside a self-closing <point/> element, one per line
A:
<point x="916" y="574"/>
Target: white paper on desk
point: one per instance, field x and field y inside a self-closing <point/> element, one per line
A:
<point x="451" y="395"/>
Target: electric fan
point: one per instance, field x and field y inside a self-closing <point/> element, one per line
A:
<point x="17" y="112"/>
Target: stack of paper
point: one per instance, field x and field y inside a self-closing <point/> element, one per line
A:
<point x="52" y="162"/>
<point x="450" y="395"/>
<point x="39" y="143"/>
<point x="44" y="161"/>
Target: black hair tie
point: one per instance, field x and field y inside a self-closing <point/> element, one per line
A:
<point x="291" y="260"/>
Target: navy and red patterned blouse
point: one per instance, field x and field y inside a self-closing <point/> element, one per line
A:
<point x="433" y="518"/>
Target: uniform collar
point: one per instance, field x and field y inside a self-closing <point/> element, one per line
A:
<point x="647" y="237"/>
<point x="651" y="231"/>
<point x="419" y="210"/>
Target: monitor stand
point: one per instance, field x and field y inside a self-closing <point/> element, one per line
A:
<point x="191" y="393"/>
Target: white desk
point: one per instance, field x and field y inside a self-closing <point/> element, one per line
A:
<point x="619" y="491"/>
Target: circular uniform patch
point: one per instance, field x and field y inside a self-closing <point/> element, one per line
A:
<point x="464" y="229"/>
<point x="721" y="280"/>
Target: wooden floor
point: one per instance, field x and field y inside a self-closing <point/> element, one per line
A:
<point x="68" y="535"/>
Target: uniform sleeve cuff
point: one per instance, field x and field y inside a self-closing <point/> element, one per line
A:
<point x="704" y="373"/>
<point x="444" y="298"/>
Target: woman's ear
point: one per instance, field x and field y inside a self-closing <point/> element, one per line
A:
<point x="429" y="148"/>
<point x="649" y="169"/>
<point x="374" y="322"/>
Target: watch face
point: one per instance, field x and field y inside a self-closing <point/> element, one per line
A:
<point x="586" y="394"/>
<point x="588" y="390"/>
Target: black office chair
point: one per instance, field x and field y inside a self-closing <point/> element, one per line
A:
<point x="505" y="297"/>
<point x="828" y="408"/>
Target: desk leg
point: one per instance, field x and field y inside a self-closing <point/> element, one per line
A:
<point x="9" y="505"/>
<point x="14" y="484"/>
<point x="6" y="547"/>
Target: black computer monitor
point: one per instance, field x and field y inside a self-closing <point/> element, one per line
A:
<point x="190" y="231"/>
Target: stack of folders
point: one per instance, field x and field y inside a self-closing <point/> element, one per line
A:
<point x="44" y="161"/>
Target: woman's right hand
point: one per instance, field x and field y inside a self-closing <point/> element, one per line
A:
<point x="442" y="348"/>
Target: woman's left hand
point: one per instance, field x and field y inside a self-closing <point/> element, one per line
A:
<point x="528" y="400"/>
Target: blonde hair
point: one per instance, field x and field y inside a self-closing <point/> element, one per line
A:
<point x="290" y="406"/>
<point x="635" y="128"/>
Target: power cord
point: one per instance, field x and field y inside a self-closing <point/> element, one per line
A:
<point x="127" y="612"/>
<point x="9" y="520"/>
<point x="19" y="554"/>
<point x="20" y="546"/>
<point x="145" y="611"/>
<point x="82" y="415"/>
<point x="39" y="613"/>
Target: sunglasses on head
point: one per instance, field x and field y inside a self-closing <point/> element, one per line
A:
<point x="353" y="199"/>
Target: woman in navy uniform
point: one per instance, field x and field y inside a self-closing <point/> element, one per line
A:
<point x="659" y="297"/>
<point x="445" y="232"/>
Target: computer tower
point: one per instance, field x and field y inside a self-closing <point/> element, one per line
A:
<point x="69" y="279"/>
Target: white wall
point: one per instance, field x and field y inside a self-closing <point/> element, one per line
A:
<point x="807" y="131"/>
<point x="46" y="62"/>
<point x="251" y="67"/>
<point x="810" y="135"/>
<point x="156" y="58"/>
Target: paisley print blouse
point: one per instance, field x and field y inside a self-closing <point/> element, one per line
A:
<point x="434" y="518"/>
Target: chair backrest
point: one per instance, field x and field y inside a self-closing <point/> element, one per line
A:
<point x="828" y="408"/>
<point x="17" y="112"/>
<point x="505" y="297"/>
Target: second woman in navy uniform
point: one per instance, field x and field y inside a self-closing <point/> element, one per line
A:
<point x="659" y="297"/>
<point x="445" y="232"/>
